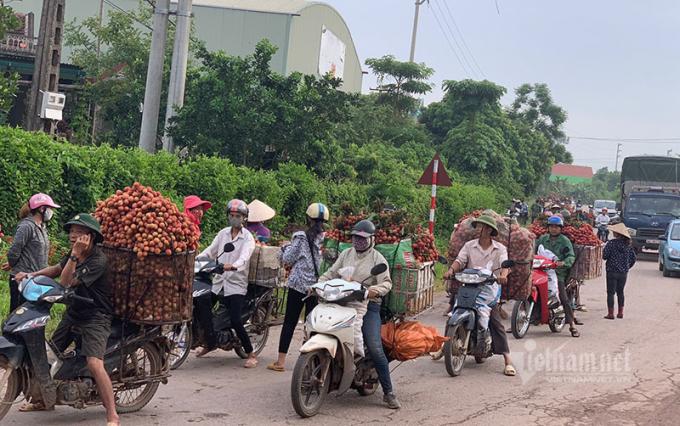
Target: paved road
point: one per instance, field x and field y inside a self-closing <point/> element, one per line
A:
<point x="619" y="372"/>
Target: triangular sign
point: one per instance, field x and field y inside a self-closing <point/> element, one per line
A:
<point x="442" y="177"/>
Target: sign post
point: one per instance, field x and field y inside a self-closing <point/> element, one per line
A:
<point x="435" y="175"/>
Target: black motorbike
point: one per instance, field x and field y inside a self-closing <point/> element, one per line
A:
<point x="256" y="313"/>
<point x="603" y="233"/>
<point x="465" y="337"/>
<point x="135" y="359"/>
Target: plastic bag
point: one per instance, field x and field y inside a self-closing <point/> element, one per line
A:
<point x="410" y="339"/>
<point x="552" y="275"/>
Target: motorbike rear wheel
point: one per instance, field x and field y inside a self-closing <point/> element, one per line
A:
<point x="258" y="332"/>
<point x="520" y="321"/>
<point x="180" y="337"/>
<point x="454" y="350"/>
<point x="9" y="388"/>
<point x="145" y="361"/>
<point x="310" y="377"/>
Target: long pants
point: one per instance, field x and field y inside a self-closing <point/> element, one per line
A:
<point x="294" y="305"/>
<point x="566" y="303"/>
<point x="234" y="305"/>
<point x="15" y="297"/>
<point x="616" y="281"/>
<point x="499" y="339"/>
<point x="371" y="332"/>
<point x="203" y="306"/>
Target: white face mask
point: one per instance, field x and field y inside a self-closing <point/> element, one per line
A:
<point x="48" y="215"/>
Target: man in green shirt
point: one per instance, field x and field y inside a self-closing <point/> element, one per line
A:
<point x="560" y="245"/>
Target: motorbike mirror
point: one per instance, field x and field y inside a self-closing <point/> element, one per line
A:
<point x="507" y="264"/>
<point x="443" y="260"/>
<point x="378" y="269"/>
<point x="229" y="247"/>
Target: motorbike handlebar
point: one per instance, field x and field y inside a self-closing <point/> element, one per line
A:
<point x="82" y="299"/>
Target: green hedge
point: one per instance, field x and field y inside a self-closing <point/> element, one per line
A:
<point x="76" y="177"/>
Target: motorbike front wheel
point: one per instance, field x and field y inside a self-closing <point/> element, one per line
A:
<point x="180" y="338"/>
<point x="9" y="386"/>
<point x="556" y="322"/>
<point x="310" y="383"/>
<point x="258" y="332"/>
<point x="454" y="349"/>
<point x="520" y="321"/>
<point x="141" y="363"/>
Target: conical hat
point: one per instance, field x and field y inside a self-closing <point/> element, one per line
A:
<point x="620" y="229"/>
<point x="259" y="211"/>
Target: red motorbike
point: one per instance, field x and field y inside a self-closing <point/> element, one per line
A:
<point x="539" y="308"/>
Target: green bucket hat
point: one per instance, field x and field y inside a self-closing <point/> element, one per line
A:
<point x="89" y="222"/>
<point x="486" y="220"/>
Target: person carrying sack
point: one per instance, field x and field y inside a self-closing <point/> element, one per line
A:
<point x="303" y="255"/>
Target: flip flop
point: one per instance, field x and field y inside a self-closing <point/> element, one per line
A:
<point x="29" y="407"/>
<point x="204" y="352"/>
<point x="276" y="367"/>
<point x="578" y="322"/>
<point x="510" y="370"/>
<point x="574" y="332"/>
<point x="250" y="363"/>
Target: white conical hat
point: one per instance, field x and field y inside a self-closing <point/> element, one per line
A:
<point x="259" y="211"/>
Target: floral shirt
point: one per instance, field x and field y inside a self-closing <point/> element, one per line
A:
<point x="620" y="256"/>
<point x="298" y="256"/>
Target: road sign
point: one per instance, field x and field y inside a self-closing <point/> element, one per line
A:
<point x="434" y="175"/>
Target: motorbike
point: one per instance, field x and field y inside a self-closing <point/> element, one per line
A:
<point x="539" y="308"/>
<point x="135" y="359"/>
<point x="603" y="232"/>
<point x="256" y="311"/>
<point x="327" y="359"/>
<point x="461" y="327"/>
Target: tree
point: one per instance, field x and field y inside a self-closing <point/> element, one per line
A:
<point x="399" y="83"/>
<point x="535" y="107"/>
<point x="257" y="117"/>
<point x="9" y="82"/>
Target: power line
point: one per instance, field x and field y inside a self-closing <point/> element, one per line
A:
<point x="453" y="36"/>
<point x="462" y="38"/>
<point x="129" y="15"/>
<point x="446" y="37"/>
<point x="629" y="140"/>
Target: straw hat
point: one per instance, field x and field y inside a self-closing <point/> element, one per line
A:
<point x="620" y="229"/>
<point x="259" y="212"/>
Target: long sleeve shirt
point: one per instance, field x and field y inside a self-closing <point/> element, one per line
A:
<point x="30" y="247"/>
<point x="231" y="282"/>
<point x="298" y="256"/>
<point x="557" y="245"/>
<point x="620" y="256"/>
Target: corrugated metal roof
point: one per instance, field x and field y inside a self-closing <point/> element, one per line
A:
<point x="288" y="7"/>
<point x="572" y="170"/>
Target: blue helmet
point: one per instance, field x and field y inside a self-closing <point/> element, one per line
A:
<point x="555" y="220"/>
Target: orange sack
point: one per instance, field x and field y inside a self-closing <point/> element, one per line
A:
<point x="410" y="339"/>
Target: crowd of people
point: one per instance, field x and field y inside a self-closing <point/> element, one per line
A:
<point x="84" y="269"/>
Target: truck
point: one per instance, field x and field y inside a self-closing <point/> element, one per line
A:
<point x="650" y="197"/>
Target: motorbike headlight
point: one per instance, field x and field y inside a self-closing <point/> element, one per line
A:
<point x="674" y="252"/>
<point x="470" y="278"/>
<point x="537" y="263"/>
<point x="52" y="299"/>
<point x="632" y="232"/>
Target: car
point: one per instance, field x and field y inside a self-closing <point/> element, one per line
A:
<point x="669" y="249"/>
<point x="610" y="205"/>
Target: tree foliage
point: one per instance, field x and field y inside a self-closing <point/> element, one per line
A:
<point x="399" y="83"/>
<point x="9" y="82"/>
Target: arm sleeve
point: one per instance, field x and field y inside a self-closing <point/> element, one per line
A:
<point x="291" y="253"/>
<point x="607" y="251"/>
<point x="211" y="251"/>
<point x="632" y="257"/>
<point x="21" y="238"/>
<point x="247" y="250"/>
<point x="504" y="255"/>
<point x="332" y="272"/>
<point x="571" y="256"/>
<point x="384" y="281"/>
<point x="463" y="256"/>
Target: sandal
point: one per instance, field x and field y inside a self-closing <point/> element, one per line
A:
<point x="275" y="366"/>
<point x="574" y="332"/>
<point x="31" y="406"/>
<point x="250" y="363"/>
<point x="578" y="322"/>
<point x="509" y="370"/>
<point x="205" y="351"/>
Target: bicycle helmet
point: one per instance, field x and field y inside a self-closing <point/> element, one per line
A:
<point x="318" y="211"/>
<point x="555" y="220"/>
<point x="237" y="206"/>
<point x="364" y="228"/>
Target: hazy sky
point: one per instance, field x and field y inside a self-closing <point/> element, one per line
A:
<point x="614" y="65"/>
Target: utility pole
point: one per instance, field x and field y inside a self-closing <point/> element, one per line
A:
<point x="415" y="30"/>
<point x="95" y="107"/>
<point x="46" y="65"/>
<point x="178" y="72"/>
<point x="154" y="77"/>
<point x="618" y="152"/>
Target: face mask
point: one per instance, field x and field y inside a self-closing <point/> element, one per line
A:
<point x="361" y="244"/>
<point x="48" y="214"/>
<point x="235" y="222"/>
<point x="321" y="237"/>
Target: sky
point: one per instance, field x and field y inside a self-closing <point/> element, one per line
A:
<point x="613" y="65"/>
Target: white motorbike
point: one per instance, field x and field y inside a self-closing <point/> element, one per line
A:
<point x="327" y="361"/>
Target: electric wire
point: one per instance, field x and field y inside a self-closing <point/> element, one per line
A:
<point x="453" y="36"/>
<point x="441" y="28"/>
<point x="462" y="38"/>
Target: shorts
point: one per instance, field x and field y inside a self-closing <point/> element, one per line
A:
<point x="93" y="332"/>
